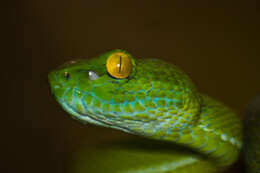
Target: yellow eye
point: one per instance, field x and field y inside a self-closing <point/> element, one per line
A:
<point x="119" y="65"/>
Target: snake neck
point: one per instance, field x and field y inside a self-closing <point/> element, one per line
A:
<point x="216" y="134"/>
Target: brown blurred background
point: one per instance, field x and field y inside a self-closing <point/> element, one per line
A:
<point x="215" y="42"/>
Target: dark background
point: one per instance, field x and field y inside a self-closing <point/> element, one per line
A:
<point x="215" y="42"/>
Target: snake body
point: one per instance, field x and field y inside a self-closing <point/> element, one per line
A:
<point x="157" y="101"/>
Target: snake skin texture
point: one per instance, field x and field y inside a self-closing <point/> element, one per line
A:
<point x="157" y="101"/>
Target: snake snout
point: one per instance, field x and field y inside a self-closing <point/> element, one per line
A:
<point x="53" y="80"/>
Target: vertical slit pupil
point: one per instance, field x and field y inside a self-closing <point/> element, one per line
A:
<point x="120" y="62"/>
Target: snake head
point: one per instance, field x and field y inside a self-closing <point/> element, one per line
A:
<point x="116" y="90"/>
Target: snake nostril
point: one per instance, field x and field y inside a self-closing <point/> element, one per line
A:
<point x="67" y="75"/>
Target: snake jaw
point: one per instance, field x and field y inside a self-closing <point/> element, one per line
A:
<point x="92" y="119"/>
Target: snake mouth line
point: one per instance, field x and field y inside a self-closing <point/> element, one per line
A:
<point x="87" y="118"/>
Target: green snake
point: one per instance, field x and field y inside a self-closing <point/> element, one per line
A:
<point x="183" y="130"/>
